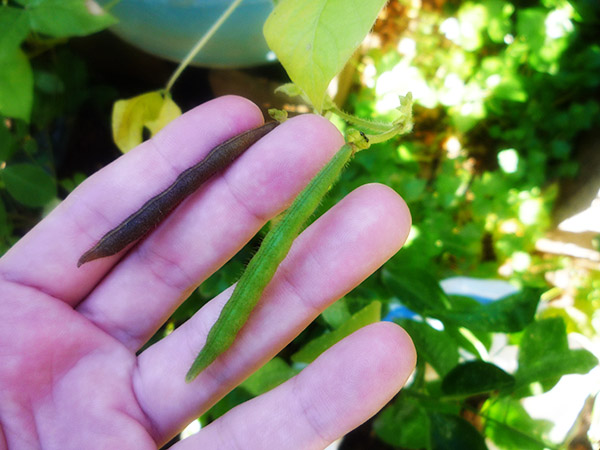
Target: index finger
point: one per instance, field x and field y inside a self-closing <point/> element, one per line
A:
<point x="46" y="258"/>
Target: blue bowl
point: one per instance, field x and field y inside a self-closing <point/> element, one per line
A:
<point x="170" y="29"/>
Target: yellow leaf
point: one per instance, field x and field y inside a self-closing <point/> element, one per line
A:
<point x="168" y="112"/>
<point x="152" y="110"/>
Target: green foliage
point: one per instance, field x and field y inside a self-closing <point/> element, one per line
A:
<point x="544" y="355"/>
<point x="336" y="314"/>
<point x="369" y="314"/>
<point x="237" y="396"/>
<point x="29" y="184"/>
<point x="64" y="18"/>
<point x="476" y="377"/>
<point x="404" y="424"/>
<point x="40" y="85"/>
<point x="435" y="347"/>
<point x="16" y="78"/>
<point x="509" y="425"/>
<point x="507" y="315"/>
<point x="450" y="432"/>
<point x="543" y="358"/>
<point x="16" y="84"/>
<point x="511" y="99"/>
<point x="264" y="379"/>
<point x="44" y="18"/>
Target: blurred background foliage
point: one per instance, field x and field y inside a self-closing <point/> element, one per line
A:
<point x="506" y="94"/>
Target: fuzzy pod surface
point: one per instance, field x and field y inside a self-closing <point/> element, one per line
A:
<point x="262" y="266"/>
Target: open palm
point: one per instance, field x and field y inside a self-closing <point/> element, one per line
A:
<point x="70" y="375"/>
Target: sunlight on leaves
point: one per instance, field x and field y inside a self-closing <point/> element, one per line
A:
<point x="306" y="38"/>
<point x="508" y="160"/>
<point x="509" y="425"/>
<point x="507" y="315"/>
<point x="544" y="355"/>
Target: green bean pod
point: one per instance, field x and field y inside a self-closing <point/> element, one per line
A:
<point x="262" y="266"/>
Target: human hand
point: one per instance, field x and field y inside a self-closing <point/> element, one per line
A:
<point x="69" y="374"/>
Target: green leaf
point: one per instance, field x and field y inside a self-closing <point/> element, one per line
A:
<point x="6" y="237"/>
<point x="152" y="110"/>
<point x="473" y="20"/>
<point x="4" y="225"/>
<point x="509" y="426"/>
<point x="531" y="26"/>
<point x="16" y="85"/>
<point x="7" y="141"/>
<point x="476" y="377"/>
<point x="454" y="433"/>
<point x="268" y="377"/>
<point x="544" y="356"/>
<point x="29" y="184"/>
<point x="404" y="424"/>
<point x="48" y="82"/>
<point x="472" y="341"/>
<point x="69" y="184"/>
<point x="507" y="315"/>
<point x="336" y="314"/>
<point x="498" y="12"/>
<point x="412" y="189"/>
<point x="461" y="302"/>
<point x="369" y="314"/>
<point x="14" y="26"/>
<point x="63" y="18"/>
<point x="511" y="88"/>
<point x="416" y="288"/>
<point x="313" y="39"/>
<point x="434" y="403"/>
<point x="542" y="337"/>
<point x="289" y="89"/>
<point x="236" y="397"/>
<point x="433" y="346"/>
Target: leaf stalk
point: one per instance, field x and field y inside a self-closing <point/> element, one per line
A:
<point x="201" y="43"/>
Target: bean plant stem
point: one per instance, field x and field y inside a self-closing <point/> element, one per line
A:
<point x="382" y="137"/>
<point x="357" y="121"/>
<point x="200" y="44"/>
